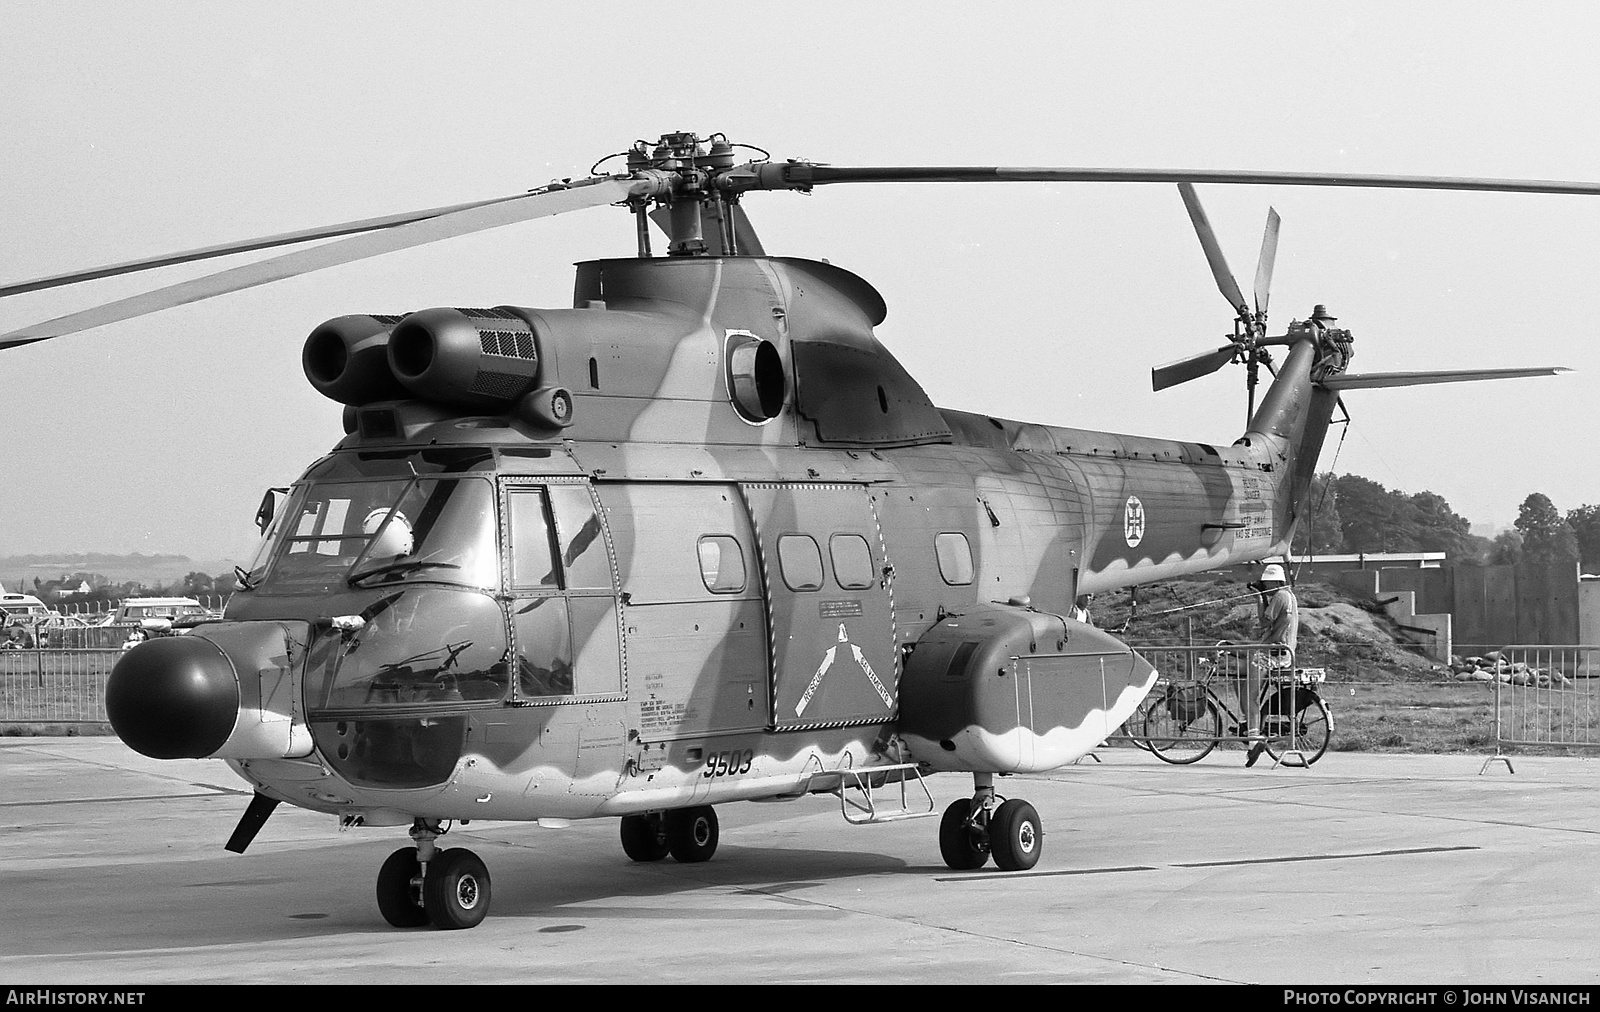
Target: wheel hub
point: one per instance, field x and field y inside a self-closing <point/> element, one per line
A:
<point x="1026" y="838"/>
<point x="467" y="892"/>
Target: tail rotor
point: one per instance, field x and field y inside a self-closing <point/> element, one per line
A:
<point x="1247" y="346"/>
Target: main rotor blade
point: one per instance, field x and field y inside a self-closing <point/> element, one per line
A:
<point x="803" y="175"/>
<point x="1374" y="380"/>
<point x="1193" y="367"/>
<point x="1208" y="241"/>
<point x="1269" y="255"/>
<point x="525" y="207"/>
<point x="244" y="246"/>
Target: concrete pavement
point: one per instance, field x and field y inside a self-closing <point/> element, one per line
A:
<point x="1392" y="869"/>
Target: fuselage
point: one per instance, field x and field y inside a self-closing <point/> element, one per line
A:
<point x="709" y="581"/>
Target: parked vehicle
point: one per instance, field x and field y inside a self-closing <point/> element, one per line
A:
<point x="24" y="609"/>
<point x="163" y="614"/>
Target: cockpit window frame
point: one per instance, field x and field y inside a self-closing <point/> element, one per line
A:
<point x="581" y="604"/>
<point x="284" y="538"/>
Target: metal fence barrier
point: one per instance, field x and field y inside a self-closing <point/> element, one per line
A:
<point x="50" y="686"/>
<point x="1545" y="695"/>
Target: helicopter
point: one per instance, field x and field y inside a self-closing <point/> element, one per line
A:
<point x="699" y="538"/>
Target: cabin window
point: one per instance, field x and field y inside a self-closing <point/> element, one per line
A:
<point x="955" y="557"/>
<point x="722" y="564"/>
<point x="800" y="561"/>
<point x="852" y="561"/>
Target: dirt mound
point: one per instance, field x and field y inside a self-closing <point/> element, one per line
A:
<point x="1343" y="632"/>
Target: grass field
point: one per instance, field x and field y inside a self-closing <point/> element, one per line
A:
<point x="1408" y="717"/>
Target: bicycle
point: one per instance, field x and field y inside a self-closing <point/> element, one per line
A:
<point x="1184" y="719"/>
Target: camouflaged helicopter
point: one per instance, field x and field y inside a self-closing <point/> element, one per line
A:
<point x="698" y="539"/>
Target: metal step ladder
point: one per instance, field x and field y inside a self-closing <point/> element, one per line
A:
<point x="874" y="793"/>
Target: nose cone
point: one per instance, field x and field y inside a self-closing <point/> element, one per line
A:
<point x="173" y="698"/>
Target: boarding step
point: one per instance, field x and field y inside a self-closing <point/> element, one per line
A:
<point x="875" y="793"/>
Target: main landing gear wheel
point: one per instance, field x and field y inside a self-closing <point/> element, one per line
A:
<point x="964" y="846"/>
<point x="692" y="833"/>
<point x="1015" y="836"/>
<point x="399" y="898"/>
<point x="644" y="837"/>
<point x="455" y="889"/>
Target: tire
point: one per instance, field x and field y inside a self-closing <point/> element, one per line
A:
<point x="397" y="901"/>
<point x="692" y="834"/>
<point x="1179" y="733"/>
<point x="456" y="889"/>
<point x="962" y="847"/>
<point x="1016" y="836"/>
<point x="644" y="837"/>
<point x="1309" y="733"/>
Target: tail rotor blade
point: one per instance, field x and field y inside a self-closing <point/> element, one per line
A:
<point x="1193" y="367"/>
<point x="538" y="204"/>
<point x="1208" y="241"/>
<point x="1269" y="255"/>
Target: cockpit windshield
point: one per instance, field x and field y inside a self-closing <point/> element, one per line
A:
<point x="335" y="534"/>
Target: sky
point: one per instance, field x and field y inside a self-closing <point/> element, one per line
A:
<point x="138" y="129"/>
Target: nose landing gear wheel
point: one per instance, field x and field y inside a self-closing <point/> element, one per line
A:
<point x="455" y="890"/>
<point x="692" y="833"/>
<point x="963" y="846"/>
<point x="399" y="900"/>
<point x="1016" y="836"/>
<point x="644" y="837"/>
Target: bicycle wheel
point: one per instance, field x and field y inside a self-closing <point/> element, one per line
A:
<point x="1180" y="729"/>
<point x="1132" y="729"/>
<point x="1307" y="732"/>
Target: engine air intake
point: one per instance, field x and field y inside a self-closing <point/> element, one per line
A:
<point x="347" y="360"/>
<point x="470" y="358"/>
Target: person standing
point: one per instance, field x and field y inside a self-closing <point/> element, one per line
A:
<point x="1080" y="609"/>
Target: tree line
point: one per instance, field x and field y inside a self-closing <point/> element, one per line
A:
<point x="68" y="589"/>
<point x="1352" y="514"/>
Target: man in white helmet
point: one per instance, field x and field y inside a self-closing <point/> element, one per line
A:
<point x="1277" y="623"/>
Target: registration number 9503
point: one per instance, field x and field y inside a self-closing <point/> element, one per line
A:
<point x="724" y="764"/>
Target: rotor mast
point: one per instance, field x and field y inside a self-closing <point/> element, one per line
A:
<point x="687" y="172"/>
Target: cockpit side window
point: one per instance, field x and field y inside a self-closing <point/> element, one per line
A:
<point x="581" y="547"/>
<point x="564" y="599"/>
<point x="532" y="558"/>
